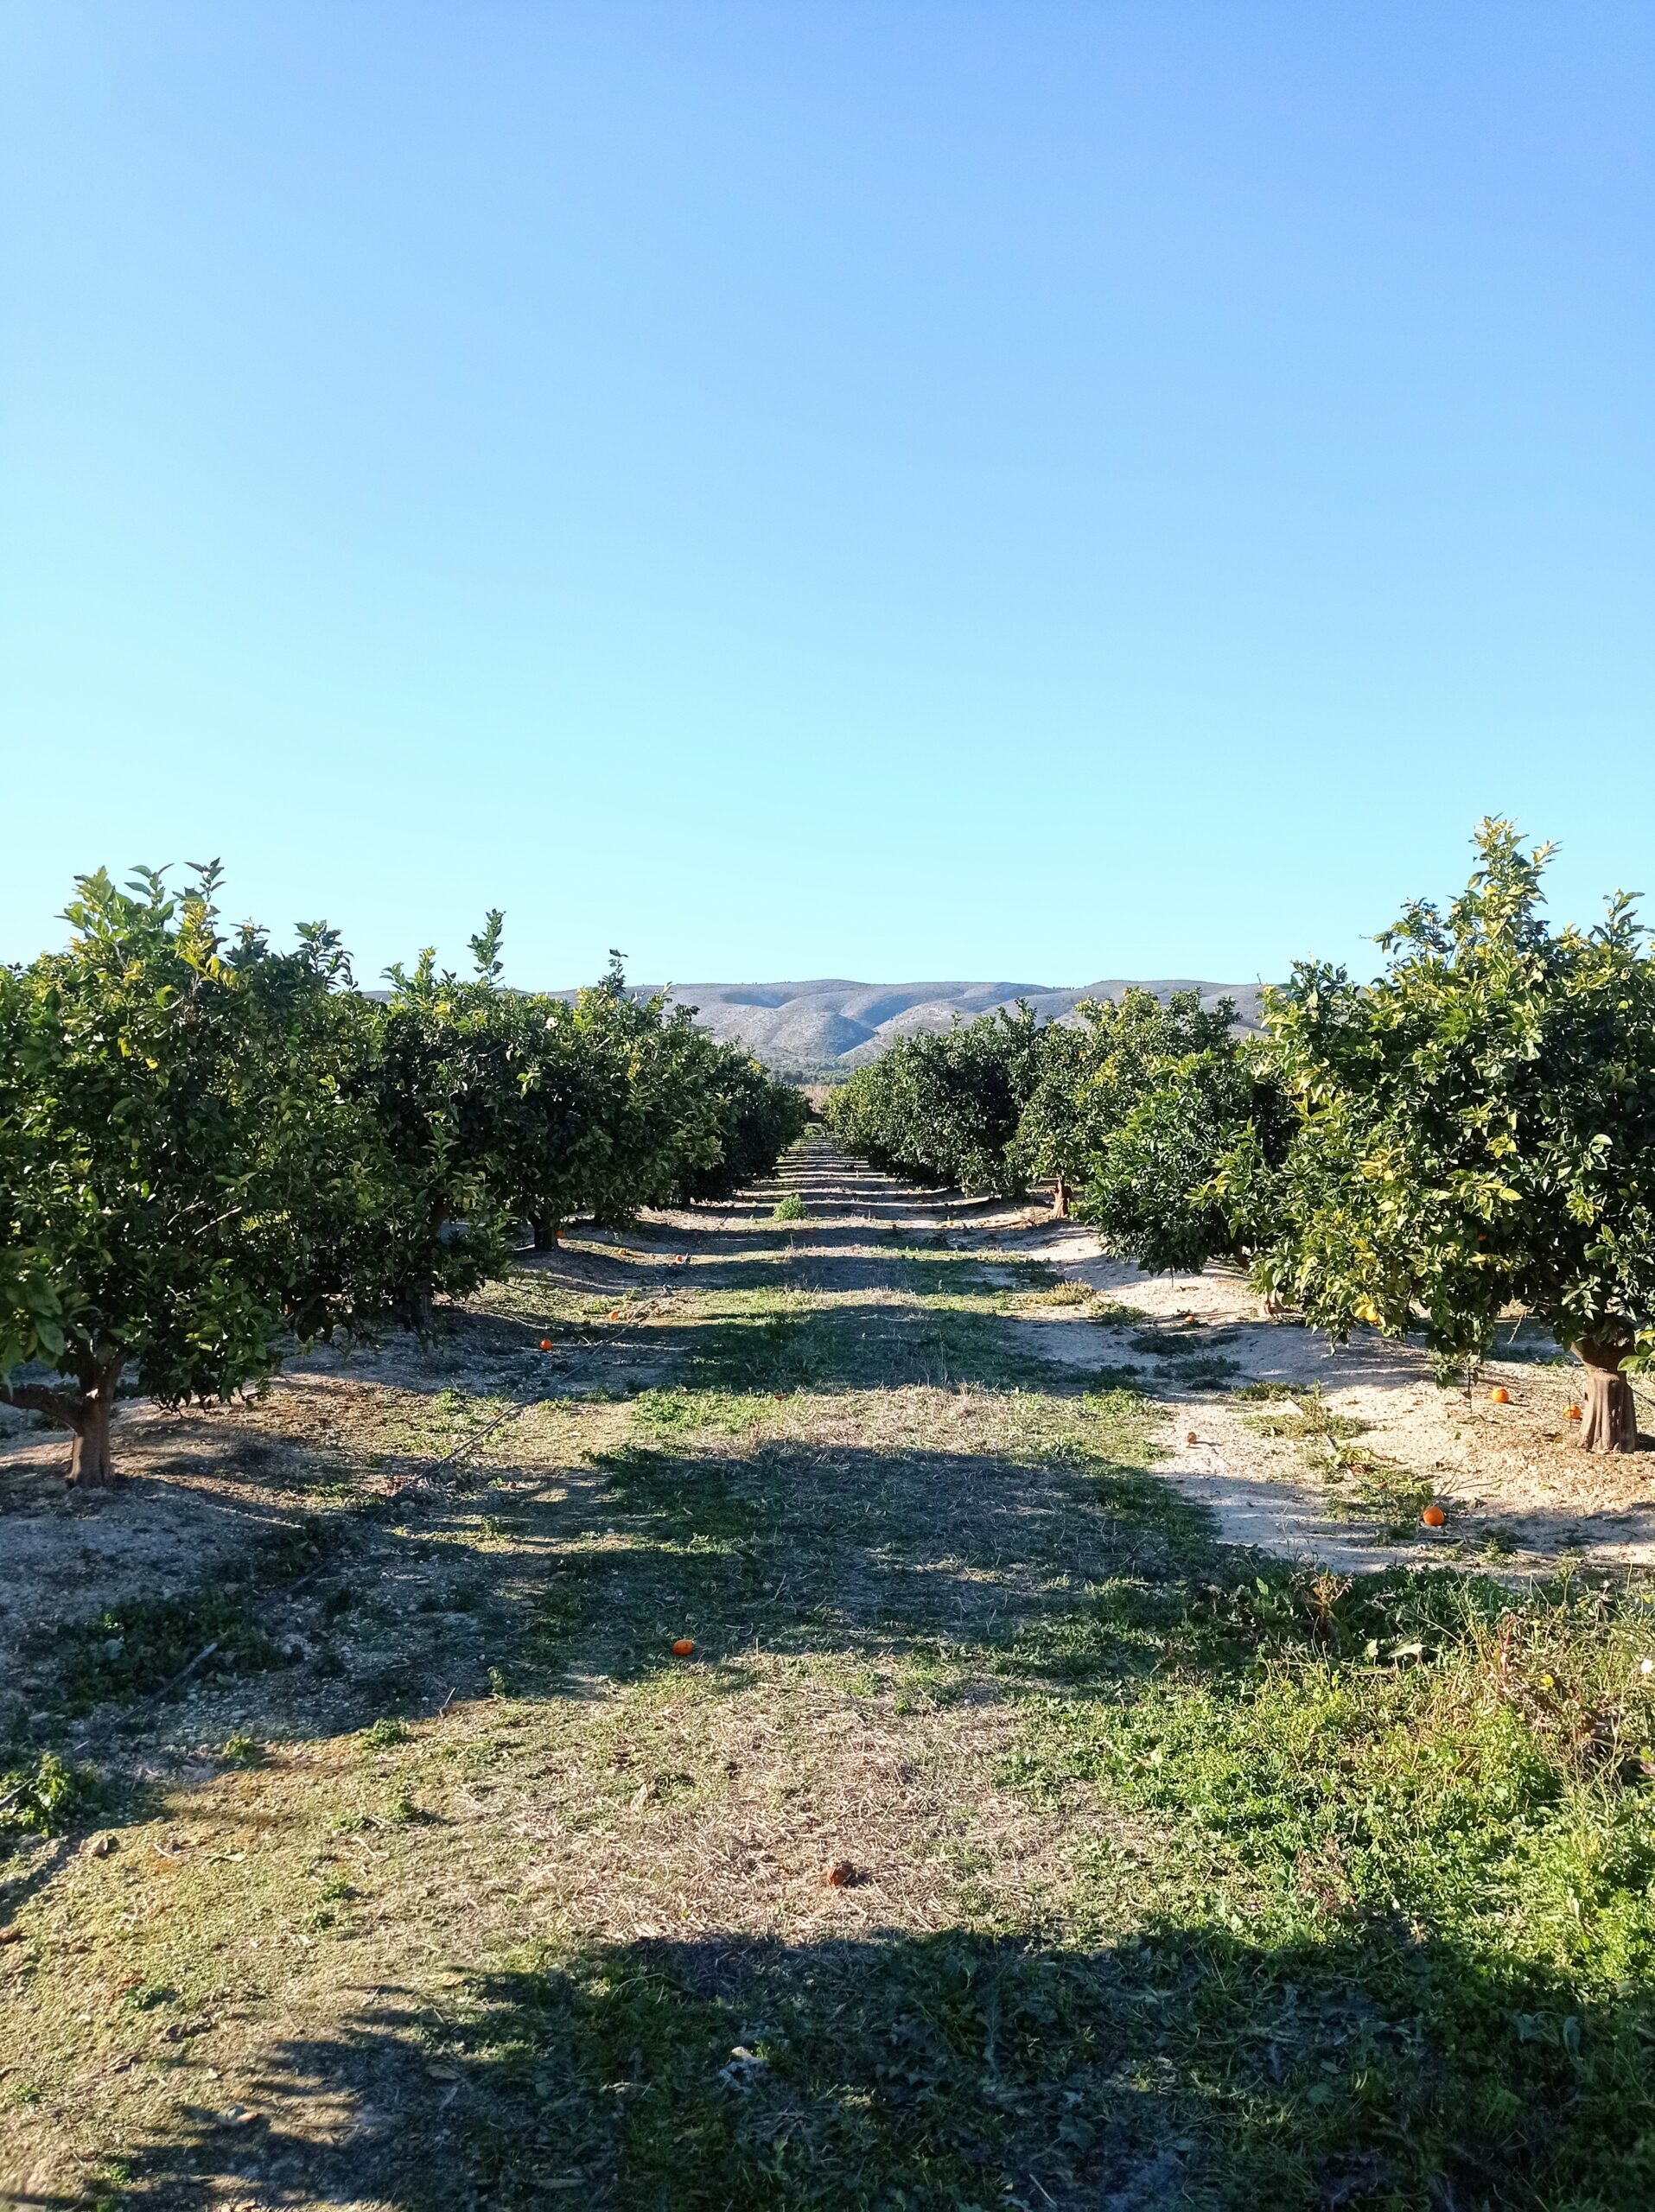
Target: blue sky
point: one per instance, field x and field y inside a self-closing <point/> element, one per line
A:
<point x="790" y="487"/>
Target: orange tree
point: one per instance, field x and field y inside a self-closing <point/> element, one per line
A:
<point x="513" y="1106"/>
<point x="660" y="1076"/>
<point x="1477" y="1131"/>
<point x="1158" y="1126"/>
<point x="757" y="1119"/>
<point x="438" y="1084"/>
<point x="188" y="1170"/>
<point x="1191" y="1171"/>
<point x="506" y="1106"/>
<point x="946" y="1108"/>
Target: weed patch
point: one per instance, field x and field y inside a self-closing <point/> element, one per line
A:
<point x="47" y="1797"/>
<point x="138" y="1646"/>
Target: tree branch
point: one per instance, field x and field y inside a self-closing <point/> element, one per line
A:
<point x="36" y="1398"/>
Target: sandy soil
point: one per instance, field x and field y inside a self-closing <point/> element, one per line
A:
<point x="1509" y="1477"/>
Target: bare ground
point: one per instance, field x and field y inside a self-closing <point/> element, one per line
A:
<point x="1508" y="1476"/>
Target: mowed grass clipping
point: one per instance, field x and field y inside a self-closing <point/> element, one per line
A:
<point x="1171" y="1876"/>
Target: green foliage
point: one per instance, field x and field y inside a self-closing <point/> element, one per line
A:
<point x="757" y="1119"/>
<point x="47" y="1797"/>
<point x="792" y="1208"/>
<point x="1166" y="1128"/>
<point x="136" y="1646"/>
<point x="1477" y="1127"/>
<point x="209" y="1150"/>
<point x="133" y="1649"/>
<point x="188" y="1168"/>
<point x="946" y="1108"/>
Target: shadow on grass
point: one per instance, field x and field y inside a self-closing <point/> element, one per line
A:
<point x="1192" y="2067"/>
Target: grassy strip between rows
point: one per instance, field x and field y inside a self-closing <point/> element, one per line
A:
<point x="1389" y="1944"/>
<point x="1359" y="1907"/>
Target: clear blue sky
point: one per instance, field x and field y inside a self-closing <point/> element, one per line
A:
<point x="789" y="487"/>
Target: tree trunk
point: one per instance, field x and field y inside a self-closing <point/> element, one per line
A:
<point x="547" y="1229"/>
<point x="89" y="1460"/>
<point x="90" y="1467"/>
<point x="85" y="1414"/>
<point x="1609" y="1415"/>
<point x="1061" y="1199"/>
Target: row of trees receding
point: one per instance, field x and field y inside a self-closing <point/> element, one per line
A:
<point x="1471" y="1132"/>
<point x="211" y="1150"/>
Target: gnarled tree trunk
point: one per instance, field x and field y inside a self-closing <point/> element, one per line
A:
<point x="85" y="1414"/>
<point x="1609" y="1416"/>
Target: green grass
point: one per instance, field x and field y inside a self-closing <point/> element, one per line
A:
<point x="1386" y="1930"/>
<point x="1198" y="1371"/>
<point x="136" y="1647"/>
<point x="1239" y="1886"/>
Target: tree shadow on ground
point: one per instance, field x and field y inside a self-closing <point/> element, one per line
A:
<point x="1193" y="2066"/>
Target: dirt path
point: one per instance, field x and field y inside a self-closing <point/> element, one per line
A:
<point x="765" y="1444"/>
<point x="447" y="1882"/>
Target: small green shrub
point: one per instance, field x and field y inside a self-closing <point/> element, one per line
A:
<point x="133" y="1649"/>
<point x="137" y="1646"/>
<point x="1195" y="1369"/>
<point x="145" y="1996"/>
<point x="1310" y="1421"/>
<point x="1116" y="1378"/>
<point x="792" y="1208"/>
<point x="384" y="1732"/>
<point x="1113" y="1313"/>
<point x="48" y="1797"/>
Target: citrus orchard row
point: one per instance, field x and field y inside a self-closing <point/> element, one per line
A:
<point x="1471" y="1133"/>
<point x="211" y="1151"/>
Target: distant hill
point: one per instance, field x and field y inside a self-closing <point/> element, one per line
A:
<point x="831" y="1025"/>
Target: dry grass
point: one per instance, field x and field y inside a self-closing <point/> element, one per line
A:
<point x="459" y="1887"/>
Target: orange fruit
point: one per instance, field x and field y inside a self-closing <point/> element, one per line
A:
<point x="683" y="1648"/>
<point x="1499" y="1395"/>
<point x="1572" y="1412"/>
<point x="616" y="1316"/>
<point x="1434" y="1516"/>
<point x="545" y="1343"/>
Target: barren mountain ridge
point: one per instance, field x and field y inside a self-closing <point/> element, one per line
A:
<point x="835" y="1024"/>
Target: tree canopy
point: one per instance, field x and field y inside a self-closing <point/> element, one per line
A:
<point x="1471" y="1134"/>
<point x="946" y="1109"/>
<point x="1477" y="1131"/>
<point x="211" y="1151"/>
